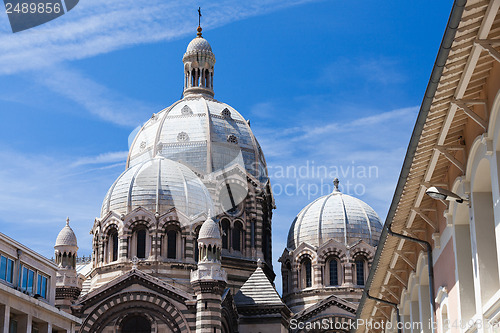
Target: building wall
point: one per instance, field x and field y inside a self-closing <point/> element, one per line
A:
<point x="466" y="244"/>
<point x="26" y="308"/>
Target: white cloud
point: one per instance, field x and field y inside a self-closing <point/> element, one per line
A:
<point x="94" y="27"/>
<point x="105" y="158"/>
<point x="371" y="123"/>
<point x="92" y="96"/>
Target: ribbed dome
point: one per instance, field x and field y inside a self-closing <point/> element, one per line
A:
<point x="199" y="44"/>
<point x="158" y="185"/>
<point x="200" y="132"/>
<point x="209" y="229"/>
<point x="66" y="236"/>
<point x="338" y="216"/>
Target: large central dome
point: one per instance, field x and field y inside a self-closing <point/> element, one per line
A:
<point x="203" y="133"/>
<point x="199" y="131"/>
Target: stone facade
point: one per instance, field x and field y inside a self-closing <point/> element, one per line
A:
<point x="183" y="242"/>
<point x="331" y="245"/>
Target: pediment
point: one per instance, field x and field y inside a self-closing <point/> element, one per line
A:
<point x="133" y="280"/>
<point x="333" y="244"/>
<point x="332" y="306"/>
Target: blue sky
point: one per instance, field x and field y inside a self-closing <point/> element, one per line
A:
<point x="332" y="84"/>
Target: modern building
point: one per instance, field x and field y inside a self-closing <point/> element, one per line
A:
<point x="437" y="266"/>
<point x="28" y="292"/>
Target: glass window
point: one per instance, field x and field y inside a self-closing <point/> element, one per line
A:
<point x="6" y="269"/>
<point x="42" y="286"/>
<point x="225" y="234"/>
<point x="31" y="277"/>
<point x="26" y="279"/>
<point x="360" y="272"/>
<point x="334" y="274"/>
<point x="172" y="244"/>
<point x="237" y="236"/>
<point x="114" y="239"/>
<point x="12" y="325"/>
<point x="141" y="243"/>
<point x="308" y="269"/>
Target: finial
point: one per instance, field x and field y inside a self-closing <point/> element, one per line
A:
<point x="259" y="263"/>
<point x="199" y="22"/>
<point x="209" y="216"/>
<point x="67" y="221"/>
<point x="336" y="185"/>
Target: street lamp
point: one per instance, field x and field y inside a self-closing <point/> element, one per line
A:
<point x="440" y="193"/>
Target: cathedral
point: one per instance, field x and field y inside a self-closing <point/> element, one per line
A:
<point x="183" y="241"/>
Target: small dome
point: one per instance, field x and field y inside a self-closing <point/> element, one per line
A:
<point x="158" y="185"/>
<point x="66" y="236"/>
<point x="209" y="229"/>
<point x="338" y="216"/>
<point x="199" y="44"/>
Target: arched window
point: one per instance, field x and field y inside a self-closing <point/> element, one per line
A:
<point x="286" y="273"/>
<point x="306" y="273"/>
<point x="172" y="244"/>
<point x="360" y="271"/>
<point x="333" y="270"/>
<point x="139" y="242"/>
<point x="237" y="236"/>
<point x="225" y="234"/>
<point x="136" y="324"/>
<point x="113" y="245"/>
<point x="196" y="250"/>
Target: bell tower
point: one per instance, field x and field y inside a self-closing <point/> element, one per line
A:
<point x="209" y="280"/>
<point x="68" y="283"/>
<point x="199" y="62"/>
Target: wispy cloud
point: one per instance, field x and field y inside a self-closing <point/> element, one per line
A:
<point x="92" y="96"/>
<point x="96" y="27"/>
<point x="106" y="158"/>
<point x="370" y="122"/>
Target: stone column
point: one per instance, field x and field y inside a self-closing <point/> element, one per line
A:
<point x="348" y="274"/>
<point x="317" y="280"/>
<point x="425" y="308"/>
<point x="208" y="305"/>
<point x="122" y="248"/>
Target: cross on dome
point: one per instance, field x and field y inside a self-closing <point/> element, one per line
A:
<point x="336" y="185"/>
<point x="199" y="63"/>
<point x="199" y="22"/>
